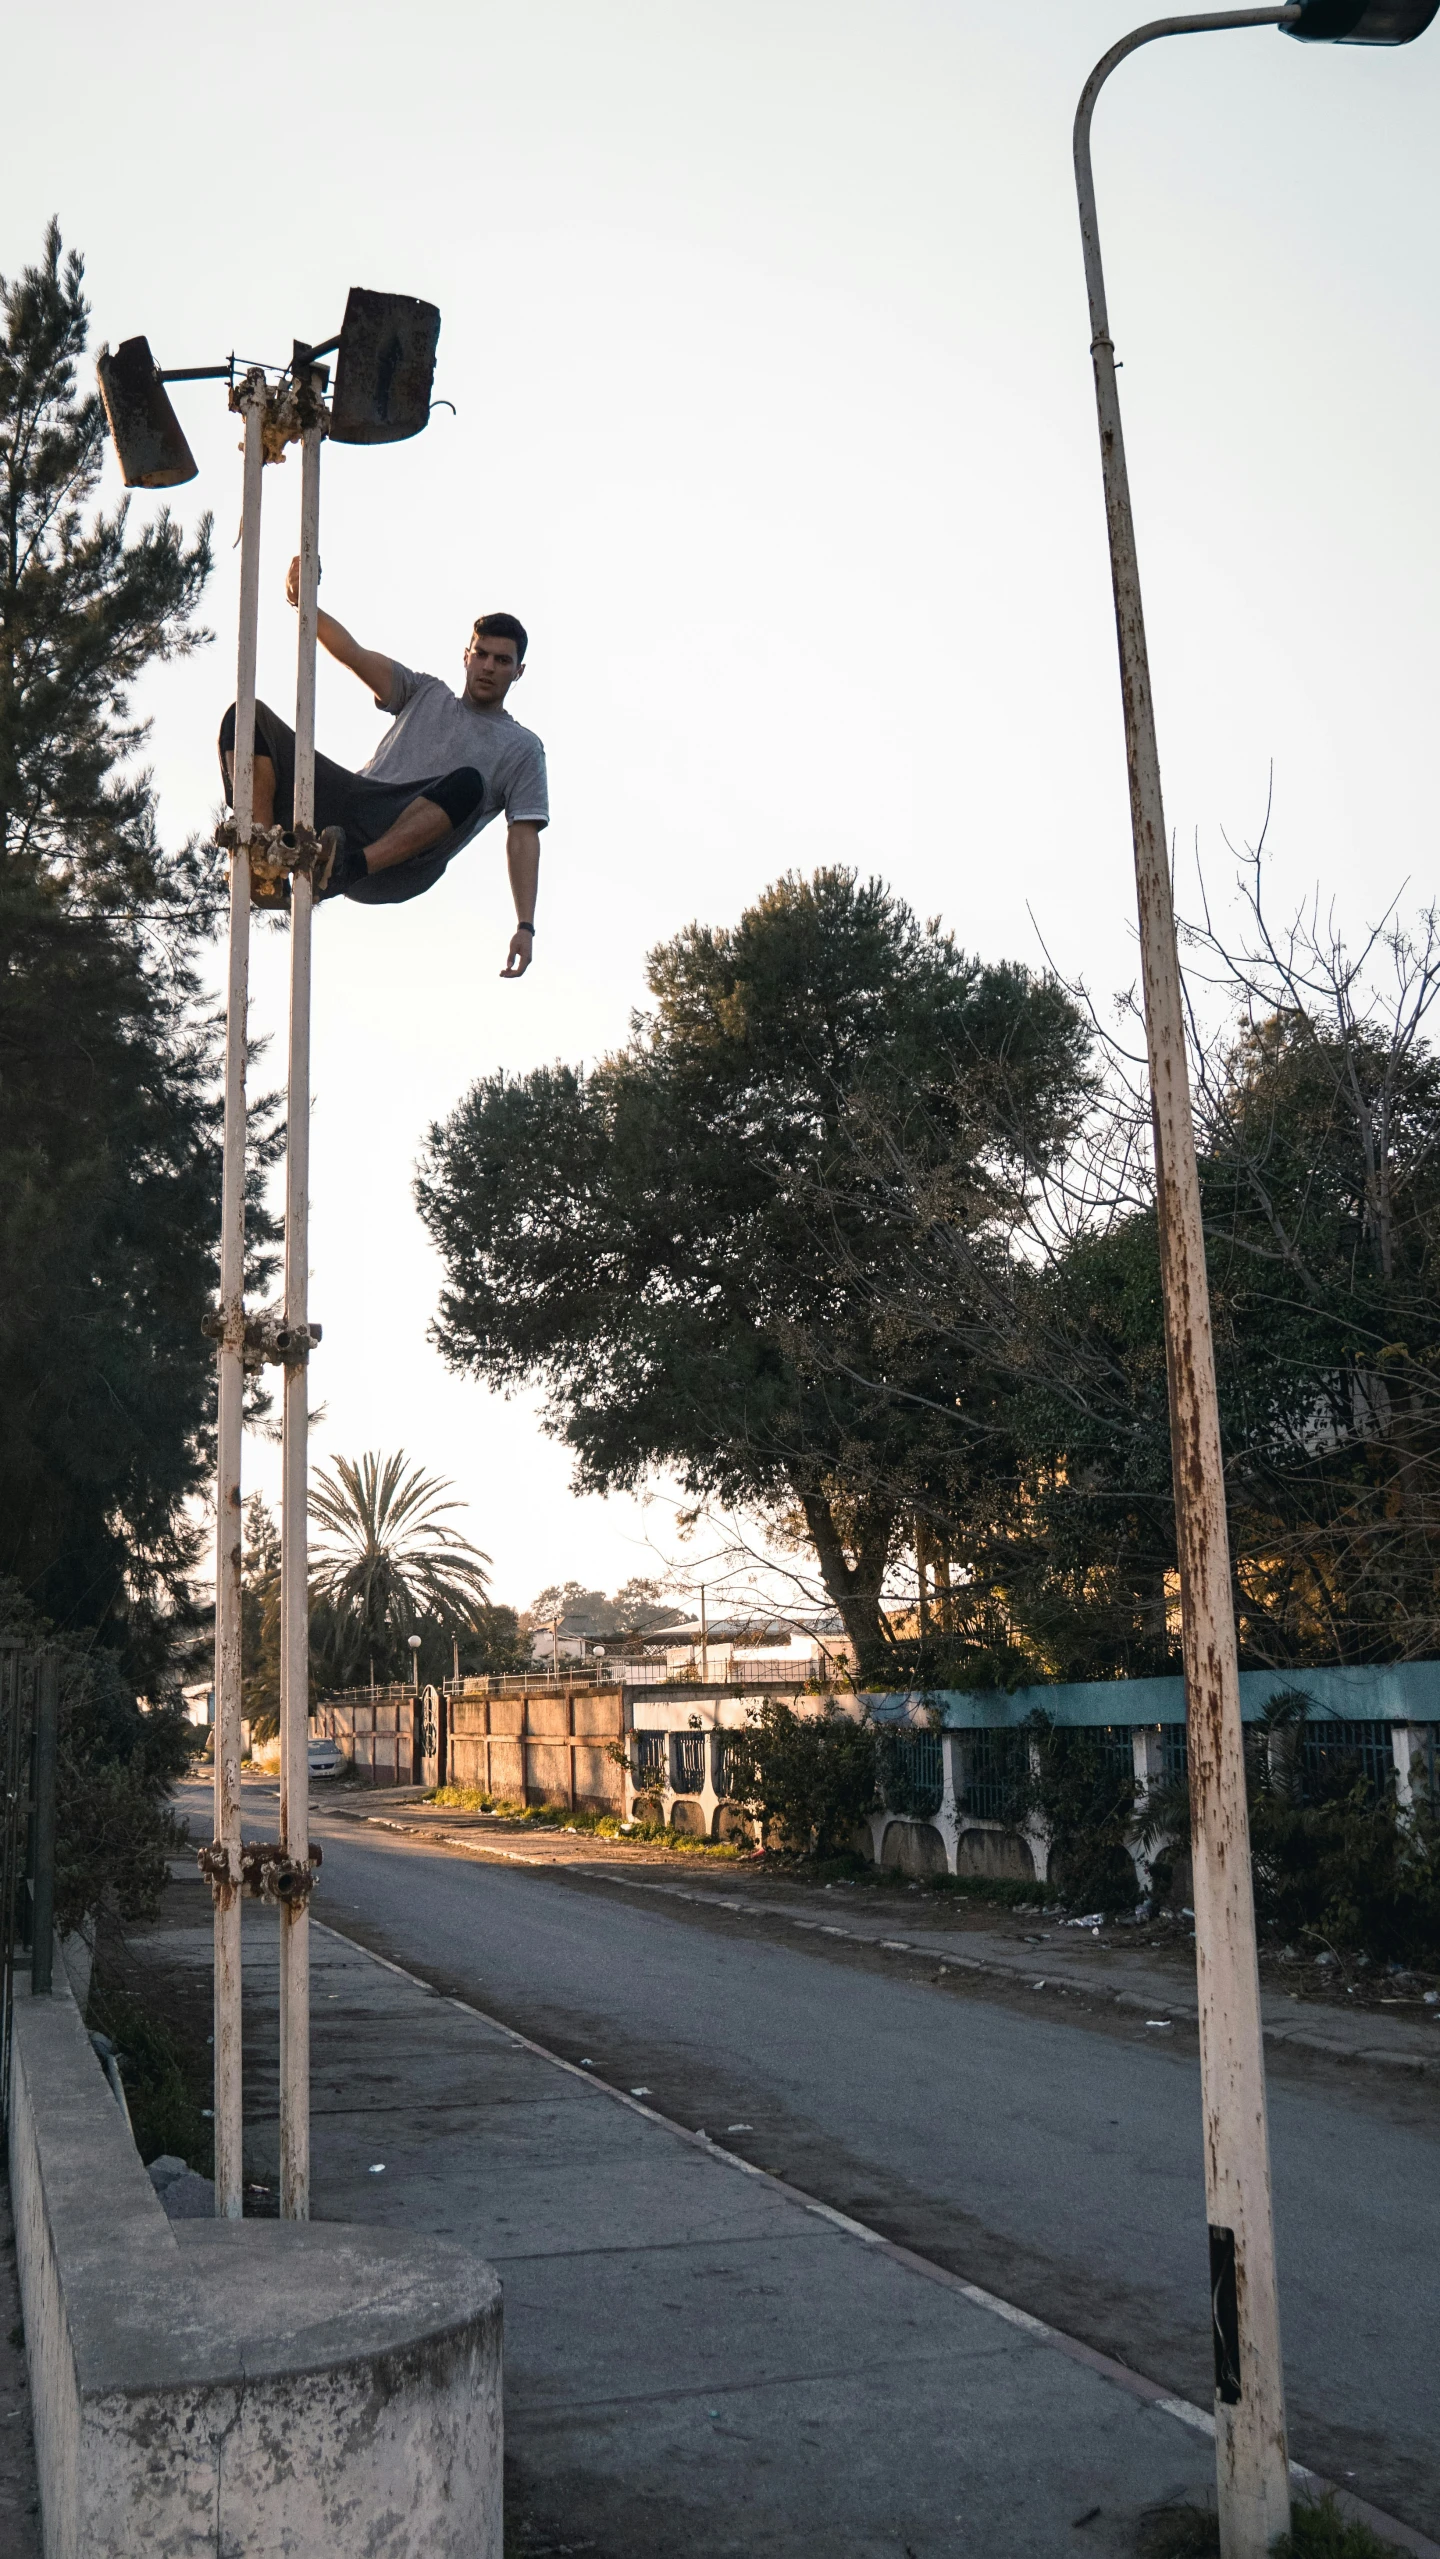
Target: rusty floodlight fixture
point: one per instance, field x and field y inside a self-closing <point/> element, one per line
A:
<point x="386" y="364"/>
<point x="385" y="367"/>
<point x="1362" y="21"/>
<point x="384" y="375"/>
<point x="148" y="437"/>
<point x="1252" y="2467"/>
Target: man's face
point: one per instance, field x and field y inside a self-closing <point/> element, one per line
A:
<point x="491" y="667"/>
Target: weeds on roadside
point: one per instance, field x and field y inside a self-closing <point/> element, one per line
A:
<point x="474" y="1799"/>
<point x="159" y="2073"/>
<point x="1318" y="2530"/>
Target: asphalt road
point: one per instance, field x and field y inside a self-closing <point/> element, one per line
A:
<point x="1056" y="2161"/>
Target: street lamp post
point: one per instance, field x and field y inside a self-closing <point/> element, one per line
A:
<point x="1251" y="2459"/>
<point x="385" y="364"/>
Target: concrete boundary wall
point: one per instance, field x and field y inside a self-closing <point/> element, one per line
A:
<point x="683" y="1730"/>
<point x="242" y="2388"/>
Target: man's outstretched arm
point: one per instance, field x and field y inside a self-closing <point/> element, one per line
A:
<point x="522" y="852"/>
<point x="373" y="669"/>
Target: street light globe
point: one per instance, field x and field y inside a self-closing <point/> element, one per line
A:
<point x="1362" y="21"/>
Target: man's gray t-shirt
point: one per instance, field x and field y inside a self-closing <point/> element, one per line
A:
<point x="435" y="731"/>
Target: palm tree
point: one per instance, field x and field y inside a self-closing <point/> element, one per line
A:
<point x="387" y="1558"/>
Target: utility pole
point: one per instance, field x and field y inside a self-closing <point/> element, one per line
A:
<point x="294" y="1532"/>
<point x="1252" y="2468"/>
<point x="704" y="1641"/>
<point x="249" y="398"/>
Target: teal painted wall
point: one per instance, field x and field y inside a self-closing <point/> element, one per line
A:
<point x="1390" y="1693"/>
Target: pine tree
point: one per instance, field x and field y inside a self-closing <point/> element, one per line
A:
<point x="85" y="608"/>
<point x="109" y="1127"/>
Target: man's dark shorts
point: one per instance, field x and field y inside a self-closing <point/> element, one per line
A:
<point x="362" y="809"/>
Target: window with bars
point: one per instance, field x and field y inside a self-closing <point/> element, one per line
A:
<point x="1334" y="1755"/>
<point x="687" y="1763"/>
<point x="721" y="1759"/>
<point x="912" y="1772"/>
<point x="649" y="1761"/>
<point x="1174" y="1755"/>
<point x="997" y="1769"/>
<point x="1117" y="1749"/>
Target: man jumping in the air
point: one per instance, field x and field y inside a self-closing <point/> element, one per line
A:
<point x="447" y="764"/>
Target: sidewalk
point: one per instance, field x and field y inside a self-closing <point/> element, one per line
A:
<point x="698" y="2359"/>
<point x="1034" y="1955"/>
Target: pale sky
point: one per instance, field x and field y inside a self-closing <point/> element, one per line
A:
<point x="765" y="329"/>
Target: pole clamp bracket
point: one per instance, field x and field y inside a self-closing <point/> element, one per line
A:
<point x="266" y="1340"/>
<point x="290" y="407"/>
<point x="269" y="1873"/>
<point x="214" y="1864"/>
<point x="277" y="852"/>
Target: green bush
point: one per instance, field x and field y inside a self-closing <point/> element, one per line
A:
<point x="812" y="1777"/>
<point x="1330" y="1858"/>
<point x="117" y="1764"/>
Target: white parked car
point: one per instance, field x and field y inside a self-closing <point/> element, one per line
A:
<point x="326" y="1758"/>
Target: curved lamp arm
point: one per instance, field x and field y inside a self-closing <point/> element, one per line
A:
<point x="1212" y="22"/>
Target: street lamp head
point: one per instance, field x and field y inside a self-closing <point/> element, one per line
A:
<point x="384" y="368"/>
<point x="1362" y="21"/>
<point x="148" y="437"/>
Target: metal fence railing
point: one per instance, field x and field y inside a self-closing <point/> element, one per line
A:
<point x="648" y="1761"/>
<point x="912" y="1772"/>
<point x="687" y="1763"/>
<point x="616" y="1671"/>
<point x="997" y="1768"/>
<point x="1334" y="1755"/>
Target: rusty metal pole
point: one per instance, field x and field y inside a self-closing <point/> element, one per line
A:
<point x="224" y="1864"/>
<point x="1250" y="2448"/>
<point x="294" y="1538"/>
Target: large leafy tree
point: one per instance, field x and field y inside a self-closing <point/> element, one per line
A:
<point x="109" y="1155"/>
<point x="1318" y="1129"/>
<point x="665" y="1241"/>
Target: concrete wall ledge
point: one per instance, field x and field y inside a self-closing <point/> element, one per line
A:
<point x="304" y="2390"/>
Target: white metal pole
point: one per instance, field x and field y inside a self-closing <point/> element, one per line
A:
<point x="1252" y="2468"/>
<point x="294" y="1542"/>
<point x="225" y="1860"/>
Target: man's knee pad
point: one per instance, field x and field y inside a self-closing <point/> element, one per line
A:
<point x="459" y="793"/>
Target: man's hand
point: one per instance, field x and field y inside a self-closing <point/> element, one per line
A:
<point x="372" y="668"/>
<point x="522" y="855"/>
<point x="292" y="584"/>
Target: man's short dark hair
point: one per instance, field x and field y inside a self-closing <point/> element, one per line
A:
<point x="503" y="626"/>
